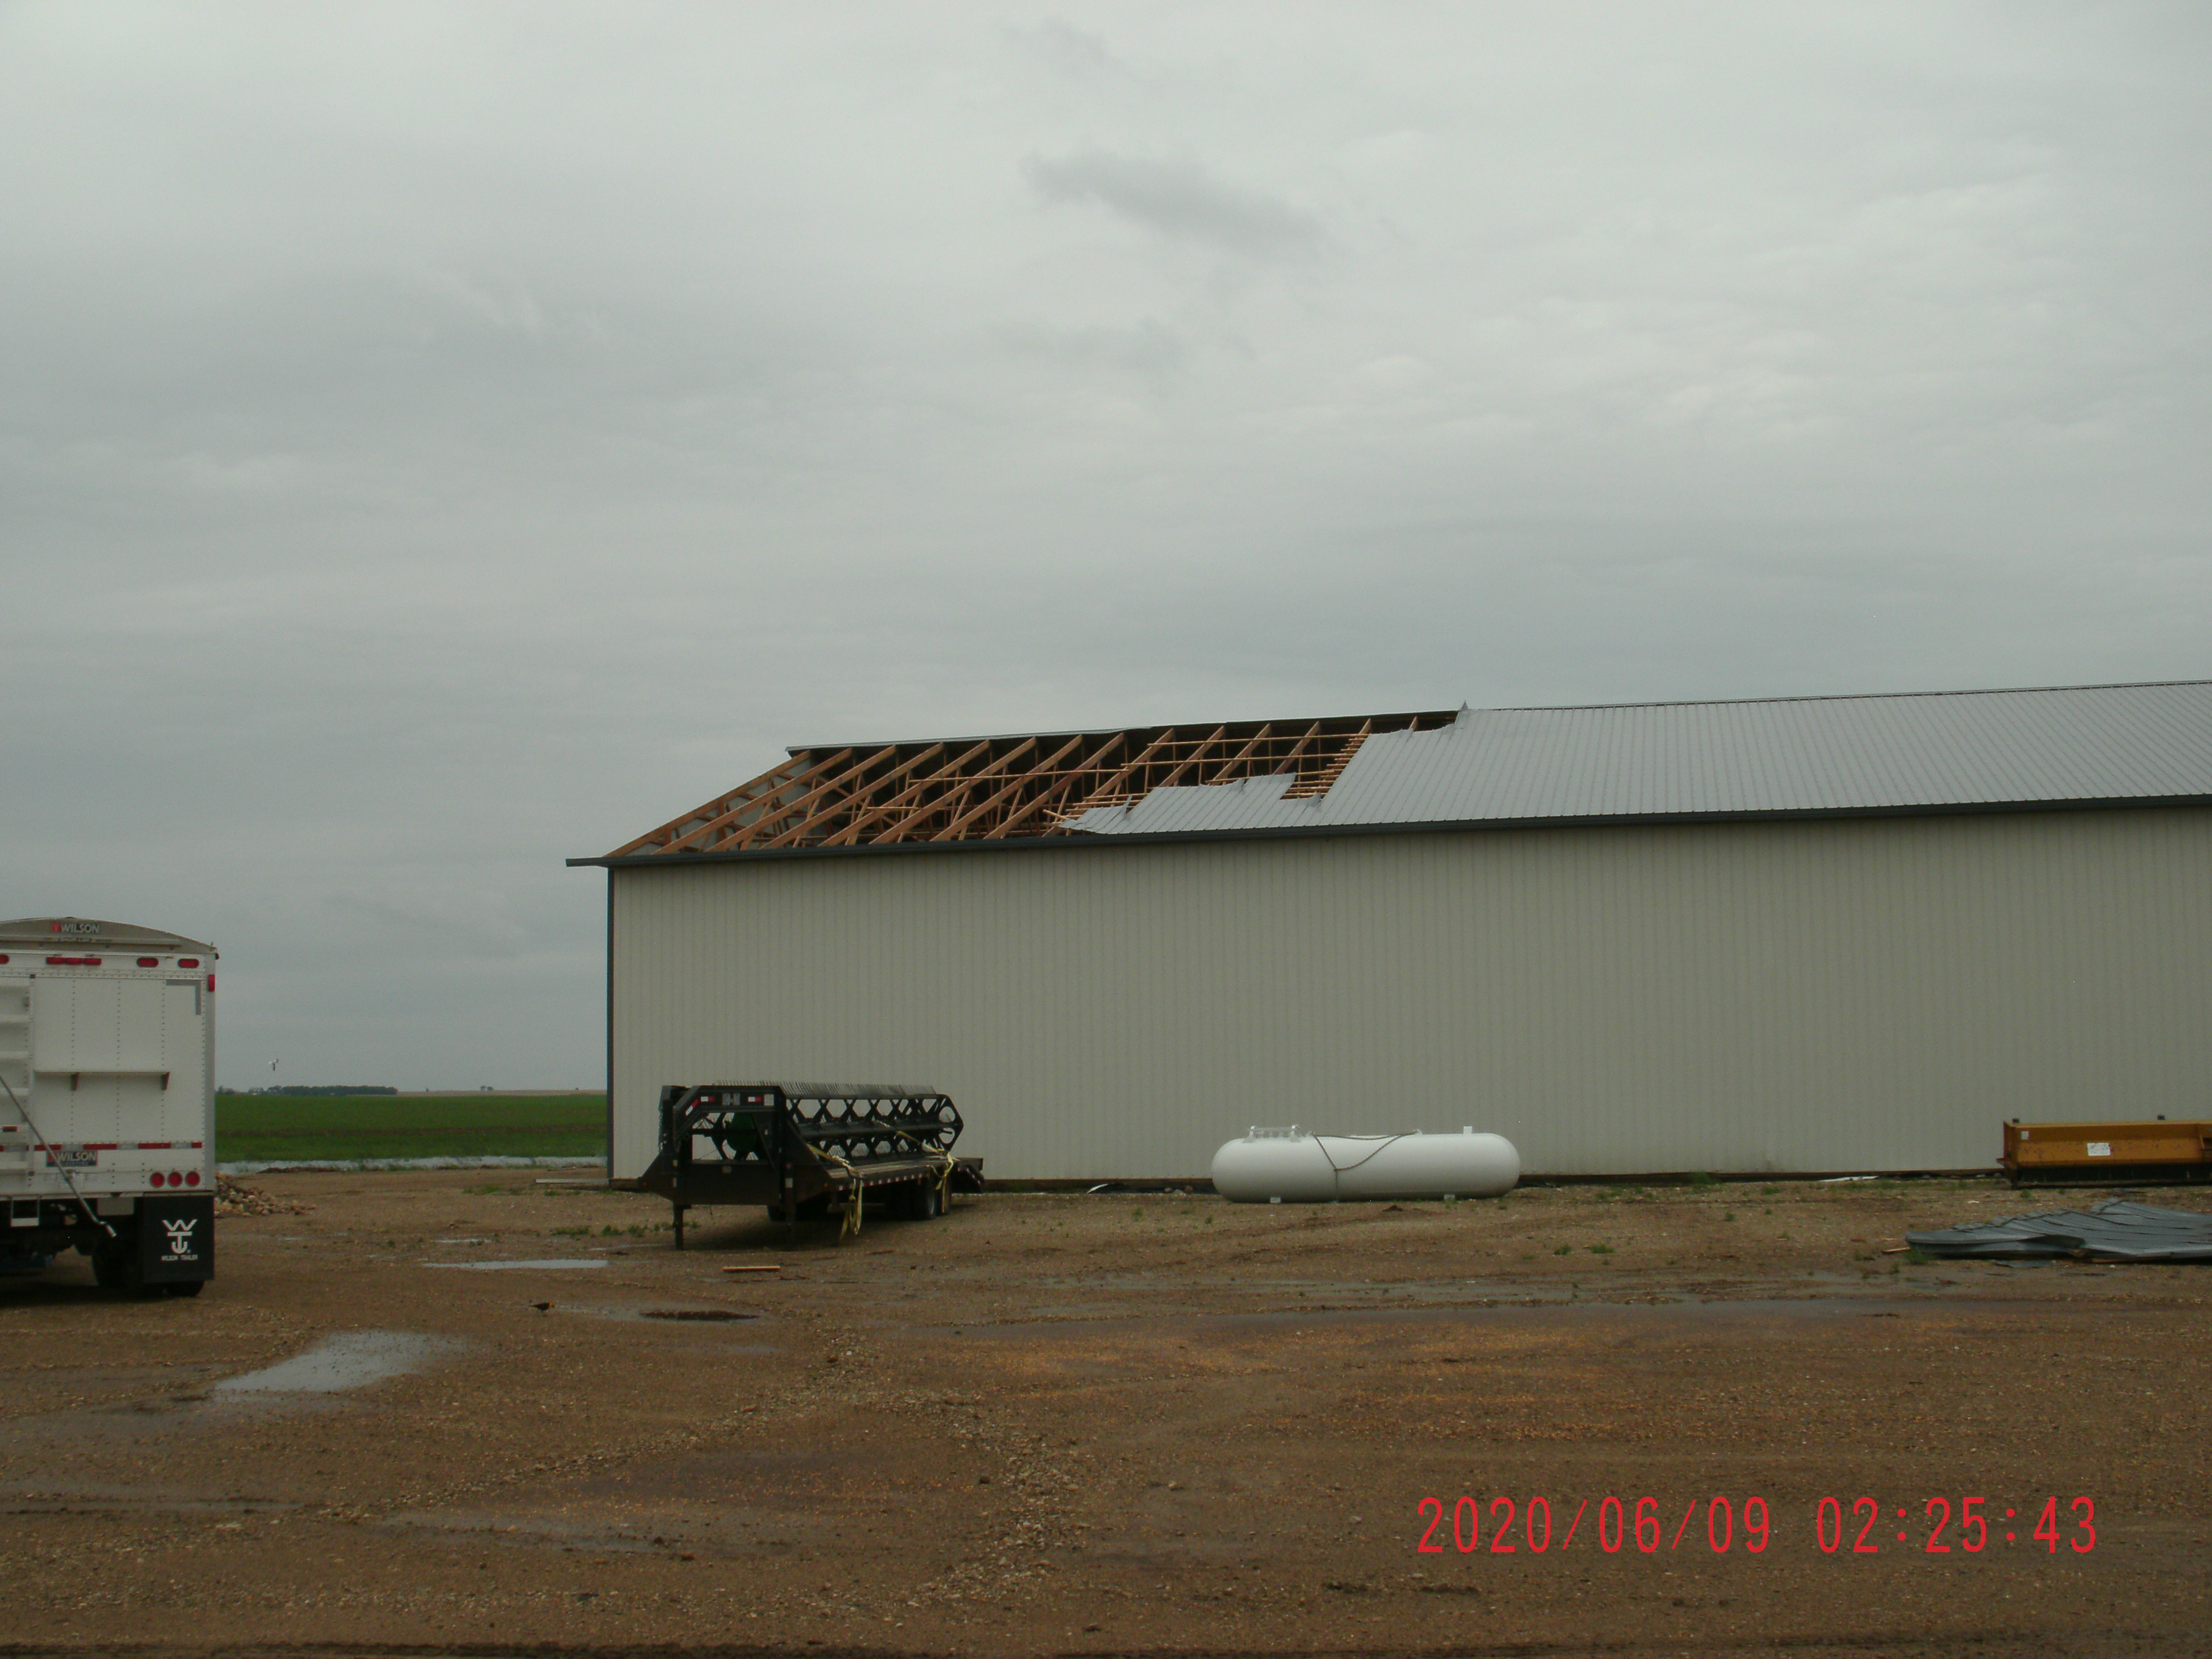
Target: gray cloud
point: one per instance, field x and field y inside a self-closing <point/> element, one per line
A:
<point x="1150" y="348"/>
<point x="437" y="440"/>
<point x="1179" y="200"/>
<point x="1066" y="49"/>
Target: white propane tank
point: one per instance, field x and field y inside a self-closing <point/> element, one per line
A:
<point x="1284" y="1166"/>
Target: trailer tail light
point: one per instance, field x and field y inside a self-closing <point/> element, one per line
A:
<point x="192" y="1177"/>
<point x="149" y="961"/>
<point x="210" y="984"/>
<point x="3" y="961"/>
<point x="182" y="962"/>
<point x="158" y="1179"/>
<point x="72" y="962"/>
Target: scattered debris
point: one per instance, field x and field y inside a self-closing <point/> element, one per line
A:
<point x="2117" y="1230"/>
<point x="756" y="1267"/>
<point x="236" y="1198"/>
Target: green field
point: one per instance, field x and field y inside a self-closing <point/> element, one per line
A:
<point x="273" y="1128"/>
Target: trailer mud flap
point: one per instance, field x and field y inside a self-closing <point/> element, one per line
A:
<point x="176" y="1238"/>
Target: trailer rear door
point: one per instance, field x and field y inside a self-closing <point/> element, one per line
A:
<point x="119" y="1063"/>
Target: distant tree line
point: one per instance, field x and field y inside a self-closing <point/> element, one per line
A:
<point x="318" y="1089"/>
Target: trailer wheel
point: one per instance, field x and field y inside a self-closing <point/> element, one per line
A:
<point x="927" y="1204"/>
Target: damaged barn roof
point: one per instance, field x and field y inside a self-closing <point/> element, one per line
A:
<point x="2110" y="743"/>
<point x="1925" y="752"/>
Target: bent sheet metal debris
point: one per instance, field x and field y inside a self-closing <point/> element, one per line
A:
<point x="2113" y="1231"/>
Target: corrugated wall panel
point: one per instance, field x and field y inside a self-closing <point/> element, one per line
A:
<point x="1854" y="993"/>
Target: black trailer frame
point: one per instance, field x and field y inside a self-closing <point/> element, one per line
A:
<point x="165" y="1246"/>
<point x="802" y="1149"/>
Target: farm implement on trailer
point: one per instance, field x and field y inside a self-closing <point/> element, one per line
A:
<point x="803" y="1151"/>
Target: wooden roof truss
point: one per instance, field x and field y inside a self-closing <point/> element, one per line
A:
<point x="994" y="789"/>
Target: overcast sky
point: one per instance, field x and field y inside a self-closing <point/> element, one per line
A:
<point x="437" y="440"/>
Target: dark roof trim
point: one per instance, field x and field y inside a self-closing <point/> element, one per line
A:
<point x="1300" y="832"/>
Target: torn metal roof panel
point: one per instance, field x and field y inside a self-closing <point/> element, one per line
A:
<point x="2115" y="1231"/>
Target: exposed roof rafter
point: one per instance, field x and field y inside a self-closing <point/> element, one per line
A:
<point x="999" y="788"/>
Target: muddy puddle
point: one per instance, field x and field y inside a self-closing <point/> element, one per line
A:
<point x="543" y="1264"/>
<point x="337" y="1365"/>
<point x="705" y="1315"/>
<point x="677" y="1315"/>
<point x="316" y="1380"/>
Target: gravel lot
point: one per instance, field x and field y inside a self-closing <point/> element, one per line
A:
<point x="1105" y="1424"/>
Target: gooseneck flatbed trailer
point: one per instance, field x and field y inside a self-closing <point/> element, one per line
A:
<point x="804" y="1150"/>
<point x="108" y="1101"/>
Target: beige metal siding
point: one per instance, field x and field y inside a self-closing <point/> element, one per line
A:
<point x="1853" y="993"/>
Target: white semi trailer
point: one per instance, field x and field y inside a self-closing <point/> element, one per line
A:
<point x="108" y="1101"/>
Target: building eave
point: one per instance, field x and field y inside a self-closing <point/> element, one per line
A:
<point x="1331" y="831"/>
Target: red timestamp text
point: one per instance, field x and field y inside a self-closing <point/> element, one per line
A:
<point x="1722" y="1524"/>
<point x="1973" y="1533"/>
<point x="1634" y="1523"/>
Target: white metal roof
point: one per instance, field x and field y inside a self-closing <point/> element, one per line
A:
<point x="1934" y="751"/>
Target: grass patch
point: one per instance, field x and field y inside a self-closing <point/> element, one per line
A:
<point x="275" y="1129"/>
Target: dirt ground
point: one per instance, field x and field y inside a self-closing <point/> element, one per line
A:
<point x="1109" y="1424"/>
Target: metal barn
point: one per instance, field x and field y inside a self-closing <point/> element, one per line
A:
<point x="1813" y="934"/>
